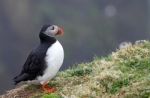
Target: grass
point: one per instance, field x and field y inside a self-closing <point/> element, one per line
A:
<point x="51" y="96"/>
<point x="124" y="74"/>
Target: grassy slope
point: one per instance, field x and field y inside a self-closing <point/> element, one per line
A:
<point x="125" y="73"/>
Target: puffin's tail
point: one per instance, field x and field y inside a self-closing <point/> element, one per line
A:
<point x="20" y="78"/>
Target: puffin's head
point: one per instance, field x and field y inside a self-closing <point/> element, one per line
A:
<point x="51" y="30"/>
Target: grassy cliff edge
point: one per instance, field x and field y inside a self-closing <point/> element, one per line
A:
<point x="124" y="74"/>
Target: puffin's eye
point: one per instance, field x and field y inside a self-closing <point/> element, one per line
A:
<point x="52" y="28"/>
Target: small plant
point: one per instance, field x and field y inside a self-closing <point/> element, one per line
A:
<point x="116" y="86"/>
<point x="80" y="71"/>
<point x="53" y="95"/>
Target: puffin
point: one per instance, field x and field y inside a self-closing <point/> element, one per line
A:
<point x="44" y="62"/>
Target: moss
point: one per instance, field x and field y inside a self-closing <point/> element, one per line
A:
<point x="53" y="95"/>
<point x="78" y="71"/>
<point x="81" y="72"/>
<point x="117" y="85"/>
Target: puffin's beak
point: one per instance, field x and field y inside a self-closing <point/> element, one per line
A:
<point x="60" y="31"/>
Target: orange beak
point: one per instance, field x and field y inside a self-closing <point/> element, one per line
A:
<point x="60" y="32"/>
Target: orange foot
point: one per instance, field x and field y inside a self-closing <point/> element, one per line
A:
<point x="48" y="89"/>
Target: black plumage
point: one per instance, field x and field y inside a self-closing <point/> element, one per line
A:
<point x="35" y="63"/>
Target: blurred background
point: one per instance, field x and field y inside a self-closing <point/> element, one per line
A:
<point x="92" y="28"/>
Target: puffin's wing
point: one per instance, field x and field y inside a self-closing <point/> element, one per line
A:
<point x="32" y="64"/>
<point x="31" y="68"/>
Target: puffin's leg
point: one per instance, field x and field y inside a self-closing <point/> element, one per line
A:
<point x="48" y="89"/>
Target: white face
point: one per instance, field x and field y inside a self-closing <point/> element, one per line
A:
<point x="52" y="30"/>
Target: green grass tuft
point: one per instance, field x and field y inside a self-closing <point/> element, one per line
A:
<point x="117" y="85"/>
<point x="80" y="71"/>
<point x="53" y="95"/>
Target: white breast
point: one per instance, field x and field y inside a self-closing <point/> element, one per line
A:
<point x="54" y="59"/>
